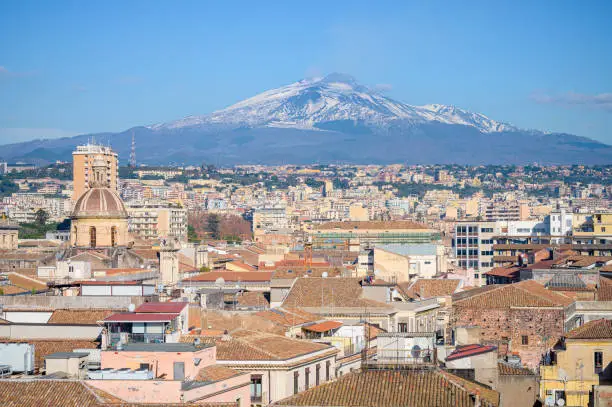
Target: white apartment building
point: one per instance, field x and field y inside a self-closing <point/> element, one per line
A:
<point x="473" y="241"/>
<point x="153" y="220"/>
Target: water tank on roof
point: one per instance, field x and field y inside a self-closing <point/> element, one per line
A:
<point x="19" y="356"/>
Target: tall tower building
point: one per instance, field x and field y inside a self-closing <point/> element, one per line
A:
<point x="82" y="167"/>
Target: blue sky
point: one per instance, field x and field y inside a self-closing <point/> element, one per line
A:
<point x="71" y="67"/>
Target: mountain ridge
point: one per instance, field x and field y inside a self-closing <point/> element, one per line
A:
<point x="331" y="119"/>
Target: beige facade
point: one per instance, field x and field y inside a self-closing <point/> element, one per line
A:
<point x="82" y="163"/>
<point x="8" y="236"/>
<point x="99" y="218"/>
<point x="151" y="221"/>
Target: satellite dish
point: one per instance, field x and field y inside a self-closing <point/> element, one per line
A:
<point x="324" y="275"/>
<point x="560" y="402"/>
<point x="131" y="307"/>
<point x="220" y="282"/>
<point x="550" y="401"/>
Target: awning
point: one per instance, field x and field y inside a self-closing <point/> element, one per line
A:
<point x="323" y="326"/>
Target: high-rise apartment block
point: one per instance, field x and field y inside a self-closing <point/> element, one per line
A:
<point x="82" y="162"/>
<point x="153" y="220"/>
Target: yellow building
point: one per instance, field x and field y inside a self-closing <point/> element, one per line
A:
<point x="82" y="162"/>
<point x="595" y="228"/>
<point x="581" y="362"/>
<point x="99" y="218"/>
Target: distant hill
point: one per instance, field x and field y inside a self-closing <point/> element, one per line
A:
<point x="331" y="119"/>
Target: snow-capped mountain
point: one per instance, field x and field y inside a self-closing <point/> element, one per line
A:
<point x="330" y="119"/>
<point x="336" y="97"/>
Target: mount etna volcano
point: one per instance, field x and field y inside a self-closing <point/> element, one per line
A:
<point x="332" y="119"/>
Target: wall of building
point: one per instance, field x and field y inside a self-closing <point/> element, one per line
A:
<point x="484" y="365"/>
<point x="141" y="391"/>
<point x="390" y="266"/>
<point x="162" y="363"/>
<point x="517" y="390"/>
<point x="506" y="327"/>
<point x="225" y="391"/>
<point x="577" y="366"/>
<point x="54" y="331"/>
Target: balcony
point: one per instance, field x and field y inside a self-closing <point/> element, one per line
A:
<point x="124" y="338"/>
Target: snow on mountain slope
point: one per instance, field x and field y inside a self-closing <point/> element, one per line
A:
<point x="336" y="97"/>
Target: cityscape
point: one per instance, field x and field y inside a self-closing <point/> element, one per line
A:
<point x="321" y="243"/>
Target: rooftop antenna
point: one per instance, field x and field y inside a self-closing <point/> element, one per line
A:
<point x="133" y="152"/>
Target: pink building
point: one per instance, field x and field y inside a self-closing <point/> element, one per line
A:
<point x="181" y="372"/>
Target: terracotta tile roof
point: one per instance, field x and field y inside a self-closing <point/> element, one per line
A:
<point x="384" y="388"/>
<point x="465" y="351"/>
<point x="509" y="272"/>
<point x="233" y="276"/>
<point x="119" y="271"/>
<point x="527" y="293"/>
<point x="252" y="299"/>
<point x="241" y="265"/>
<point x="509" y="370"/>
<point x="430" y="287"/>
<point x="17" y="393"/>
<point x="379" y="225"/>
<point x="323" y="326"/>
<point x="585" y="261"/>
<point x="288" y="272"/>
<point x="44" y="347"/>
<point x="70" y="393"/>
<point x="169" y="307"/>
<point x="27" y="283"/>
<point x="79" y="316"/>
<point x="288" y="317"/>
<point x="146" y="254"/>
<point x="604" y="291"/>
<point x="328" y="292"/>
<point x="258" y="346"/>
<point x="221" y="321"/>
<point x="215" y="373"/>
<point x="12" y="290"/>
<point x="598" y="329"/>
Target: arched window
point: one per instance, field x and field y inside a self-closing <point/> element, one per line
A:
<point x="92" y="237"/>
<point x="113" y="236"/>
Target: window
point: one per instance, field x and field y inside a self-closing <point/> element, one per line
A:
<point x="113" y="236"/>
<point x="92" y="237"/>
<point x="317" y="374"/>
<point x="296" y="378"/>
<point x="598" y="356"/>
<point x="486" y="230"/>
<point x="255" y="388"/>
<point x="524" y="340"/>
<point x="402" y="327"/>
<point x="145" y="366"/>
<point x="307" y="378"/>
<point x="327" y="368"/>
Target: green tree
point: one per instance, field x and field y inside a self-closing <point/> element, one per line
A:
<point x="213" y="225"/>
<point x="42" y="217"/>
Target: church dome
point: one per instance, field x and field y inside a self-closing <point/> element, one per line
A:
<point x="99" y="203"/>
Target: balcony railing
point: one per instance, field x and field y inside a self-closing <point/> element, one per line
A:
<point x="125" y="338"/>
